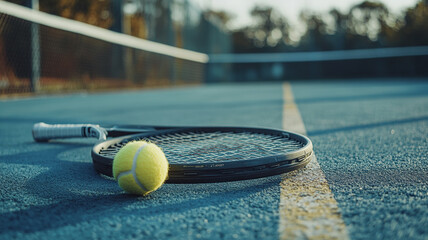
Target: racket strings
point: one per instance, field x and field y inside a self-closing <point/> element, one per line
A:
<point x="214" y="147"/>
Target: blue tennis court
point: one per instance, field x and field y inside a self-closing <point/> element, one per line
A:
<point x="351" y="78"/>
<point x="369" y="137"/>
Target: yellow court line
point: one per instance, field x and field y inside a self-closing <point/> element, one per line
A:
<point x="307" y="208"/>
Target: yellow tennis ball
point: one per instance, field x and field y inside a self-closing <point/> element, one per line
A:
<point x="140" y="167"/>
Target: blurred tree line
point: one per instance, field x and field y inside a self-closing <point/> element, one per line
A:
<point x="177" y="23"/>
<point x="95" y="12"/>
<point x="367" y="25"/>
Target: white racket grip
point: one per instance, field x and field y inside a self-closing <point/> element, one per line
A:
<point x="44" y="132"/>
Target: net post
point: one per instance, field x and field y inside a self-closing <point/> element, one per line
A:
<point x="116" y="9"/>
<point x="208" y="76"/>
<point x="35" y="50"/>
<point x="128" y="57"/>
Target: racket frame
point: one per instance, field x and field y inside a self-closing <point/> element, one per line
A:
<point x="214" y="172"/>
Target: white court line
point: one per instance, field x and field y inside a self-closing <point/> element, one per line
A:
<point x="307" y="208"/>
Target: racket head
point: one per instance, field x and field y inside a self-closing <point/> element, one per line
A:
<point x="216" y="154"/>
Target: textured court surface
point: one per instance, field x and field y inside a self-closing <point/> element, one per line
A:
<point x="370" y="139"/>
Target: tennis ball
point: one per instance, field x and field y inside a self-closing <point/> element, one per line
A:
<point x="140" y="167"/>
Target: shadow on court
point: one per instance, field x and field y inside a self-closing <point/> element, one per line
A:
<point x="366" y="126"/>
<point x="394" y="95"/>
<point x="71" y="192"/>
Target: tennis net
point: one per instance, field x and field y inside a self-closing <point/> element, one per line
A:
<point x="45" y="53"/>
<point x="342" y="64"/>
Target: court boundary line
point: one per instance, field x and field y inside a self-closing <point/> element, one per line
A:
<point x="307" y="206"/>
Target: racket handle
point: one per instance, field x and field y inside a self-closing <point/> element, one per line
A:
<point x="43" y="132"/>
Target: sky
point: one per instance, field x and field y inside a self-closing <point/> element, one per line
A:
<point x="291" y="8"/>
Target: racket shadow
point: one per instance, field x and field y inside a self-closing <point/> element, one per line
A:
<point x="65" y="190"/>
<point x="95" y="204"/>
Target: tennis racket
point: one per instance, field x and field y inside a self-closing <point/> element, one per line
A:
<point x="196" y="154"/>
